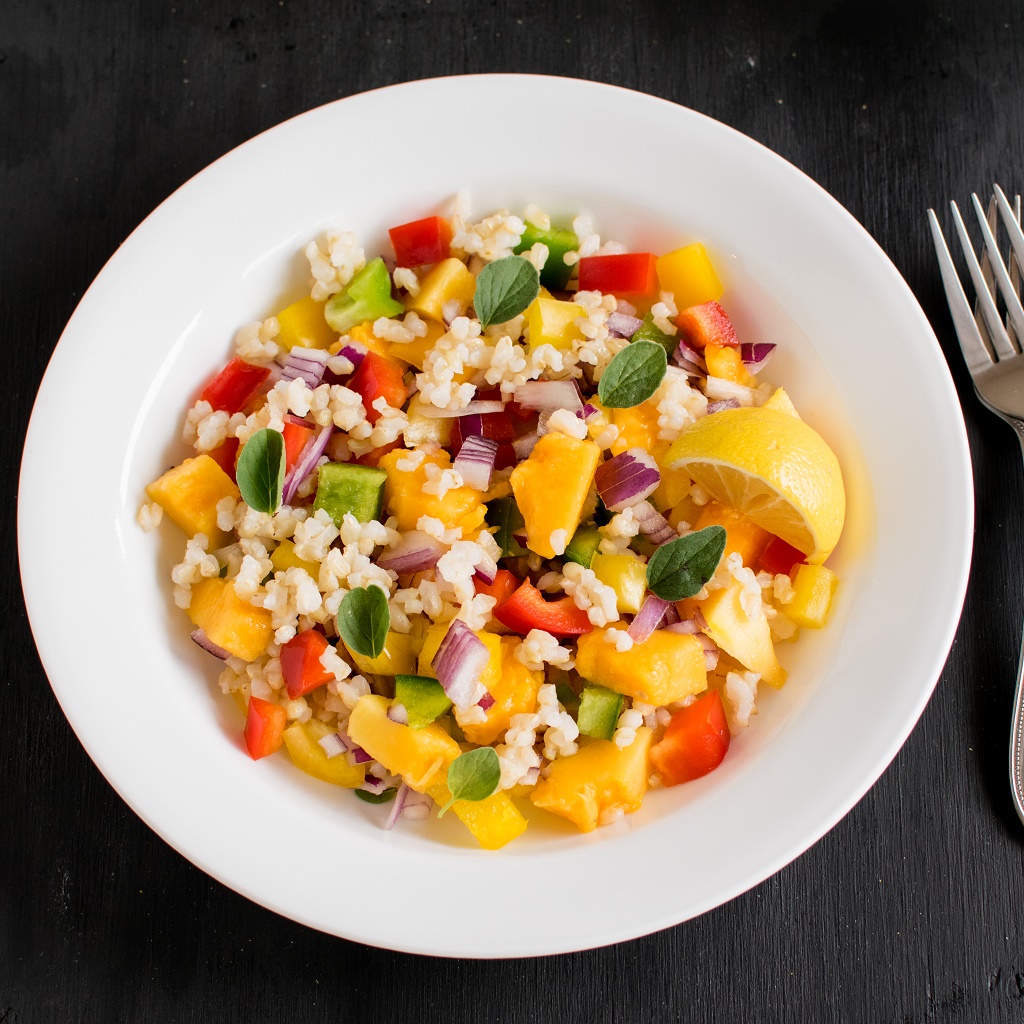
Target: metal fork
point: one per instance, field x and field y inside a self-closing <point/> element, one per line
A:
<point x="991" y="345"/>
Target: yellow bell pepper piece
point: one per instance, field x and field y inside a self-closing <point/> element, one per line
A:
<point x="231" y="623"/>
<point x="189" y="494"/>
<point x="725" y="361"/>
<point x="447" y="280"/>
<point x="688" y="274"/>
<point x="747" y="638"/>
<point x="626" y="575"/>
<point x="814" y="588"/>
<point x="493" y="822"/>
<point x="405" y="498"/>
<point x="413" y="352"/>
<point x="552" y="322"/>
<point x="397" y="658"/>
<point x="283" y="557"/>
<point x="303" y="324"/>
<point x="741" y="534"/>
<point x="302" y="741"/>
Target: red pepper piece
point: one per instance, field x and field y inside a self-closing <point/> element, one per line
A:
<point x="378" y="377"/>
<point x="695" y="741"/>
<point x="527" y="609"/>
<point x="374" y="455"/>
<point x="300" y="663"/>
<point x="226" y="455"/>
<point x="503" y="587"/>
<point x="780" y="557"/>
<point x="628" y="273"/>
<point x="234" y="386"/>
<point x="297" y="433"/>
<point x="264" y="728"/>
<point x="707" y="324"/>
<point x="422" y="241"/>
<point x="505" y="456"/>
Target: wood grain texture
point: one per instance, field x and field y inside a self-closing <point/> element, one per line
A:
<point x="910" y="910"/>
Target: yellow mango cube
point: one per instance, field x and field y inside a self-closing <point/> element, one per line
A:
<point x="666" y="667"/>
<point x="189" y="494"/>
<point x="493" y="822"/>
<point x="741" y="534"/>
<point x="814" y="587"/>
<point x="598" y="780"/>
<point x="550" y="488"/>
<point x="283" y="557"/>
<point x="397" y="658"/>
<point x="684" y="511"/>
<point x="414" y="351"/>
<point x="637" y="427"/>
<point x="363" y="335"/>
<point x="514" y="688"/>
<point x="302" y="741"/>
<point x="447" y="280"/>
<point x="746" y="638"/>
<point x="688" y="274"/>
<point x="405" y="498"/>
<point x="435" y="634"/>
<point x="552" y="322"/>
<point x="228" y="621"/>
<point x="626" y="575"/>
<point x="303" y="324"/>
<point x="725" y="362"/>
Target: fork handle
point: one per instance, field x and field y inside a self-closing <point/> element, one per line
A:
<point x="1017" y="725"/>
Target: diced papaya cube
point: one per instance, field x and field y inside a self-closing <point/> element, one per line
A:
<point x="597" y="781"/>
<point x="363" y="335"/>
<point x="725" y="361"/>
<point x="414" y="351"/>
<point x="747" y="638"/>
<point x="637" y="426"/>
<point x="302" y="741"/>
<point x="666" y="667"/>
<point x="284" y="557"/>
<point x="550" y="487"/>
<point x="626" y="575"/>
<point x="303" y="325"/>
<point x="741" y="534"/>
<point x="552" y="322"/>
<point x="447" y="280"/>
<point x="813" y="587"/>
<point x="406" y="499"/>
<point x="397" y="658"/>
<point x="493" y="822"/>
<point x="688" y="274"/>
<point x="228" y="621"/>
<point x="189" y="494"/>
<point x="514" y="688"/>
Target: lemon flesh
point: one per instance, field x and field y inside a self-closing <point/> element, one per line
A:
<point x="772" y="467"/>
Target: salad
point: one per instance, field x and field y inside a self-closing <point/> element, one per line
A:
<point x="500" y="518"/>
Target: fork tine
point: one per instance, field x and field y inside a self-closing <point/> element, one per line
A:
<point x="1011" y="223"/>
<point x="1013" y="306"/>
<point x="986" y="270"/>
<point x="972" y="343"/>
<point x="996" y="331"/>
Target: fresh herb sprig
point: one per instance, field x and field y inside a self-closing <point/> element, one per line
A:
<point x="260" y="471"/>
<point x="633" y="375"/>
<point x="504" y="289"/>
<point x="364" y="620"/>
<point x="473" y="775"/>
<point x="680" y="568"/>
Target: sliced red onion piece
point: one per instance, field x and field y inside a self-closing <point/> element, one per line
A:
<point x="486" y="702"/>
<point x="622" y="325"/>
<point x="478" y="407"/>
<point x="396" y="807"/>
<point x="755" y="356"/>
<point x="357" y="755"/>
<point x="487" y="570"/>
<point x="587" y="411"/>
<point x="687" y="357"/>
<point x="525" y="444"/>
<point x="671" y="615"/>
<point x="549" y="395"/>
<point x="649" y="618"/>
<point x="653" y="525"/>
<point x="371" y="784"/>
<point x="199" y="636"/>
<point x="626" y="307"/>
<point x="724" y="403"/>
<point x="307" y="363"/>
<point x="710" y="660"/>
<point x="397" y="713"/>
<point x="306" y="463"/>
<point x="415" y="552"/>
<point x="459" y="661"/>
<point x="717" y="389"/>
<point x="688" y="626"/>
<point x="475" y="461"/>
<point x="333" y="744"/>
<point x="627" y="479"/>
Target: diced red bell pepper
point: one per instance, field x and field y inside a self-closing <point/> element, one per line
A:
<point x="498" y="426"/>
<point x="300" y="663"/>
<point x="378" y="377"/>
<point x="503" y="587"/>
<point x="226" y="455"/>
<point x="297" y="433"/>
<point x="520" y="412"/>
<point x="234" y="386"/>
<point x="527" y="609"/>
<point x="264" y="728"/>
<point x="628" y="273"/>
<point x="505" y="456"/>
<point x="707" y="324"/>
<point x="422" y="241"/>
<point x="780" y="557"/>
<point x="374" y="455"/>
<point x="695" y="741"/>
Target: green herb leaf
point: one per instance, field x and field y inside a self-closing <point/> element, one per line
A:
<point x="364" y="619"/>
<point x="633" y="375"/>
<point x="504" y="289"/>
<point x="383" y="797"/>
<point x="680" y="568"/>
<point x="504" y="514"/>
<point x="568" y="698"/>
<point x="473" y="775"/>
<point x="260" y="470"/>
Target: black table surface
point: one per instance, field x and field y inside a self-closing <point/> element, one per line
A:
<point x="910" y="909"/>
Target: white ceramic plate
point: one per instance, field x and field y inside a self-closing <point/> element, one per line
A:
<point x="856" y="353"/>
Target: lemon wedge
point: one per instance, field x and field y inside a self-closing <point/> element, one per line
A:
<point x="770" y="465"/>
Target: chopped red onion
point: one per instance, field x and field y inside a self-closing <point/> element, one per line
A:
<point x="549" y="395"/>
<point x="653" y="525"/>
<point x="415" y="552"/>
<point x="486" y="702"/>
<point x="307" y="363"/>
<point x="688" y="626"/>
<point x="725" y="403"/>
<point x="587" y="411"/>
<point x="717" y="389"/>
<point x="626" y="307"/>
<point x="475" y="461"/>
<point x="525" y="444"/>
<point x="627" y="479"/>
<point x="333" y="744"/>
<point x="649" y="618"/>
<point x="487" y="570"/>
<point x="622" y="325"/>
<point x="710" y="660"/>
<point x="689" y="358"/>
<point x="465" y="426"/>
<point x="531" y="777"/>
<point x="357" y="755"/>
<point x="755" y="356"/>
<point x="396" y="806"/>
<point x="398" y="714"/>
<point x="478" y="407"/>
<point x="306" y="463"/>
<point x="371" y="784"/>
<point x="671" y="615"/>
<point x="459" y="661"/>
<point x="199" y="636"/>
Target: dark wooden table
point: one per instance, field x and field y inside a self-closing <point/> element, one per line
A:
<point x="910" y="909"/>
